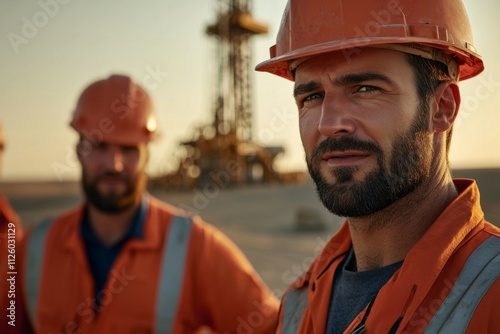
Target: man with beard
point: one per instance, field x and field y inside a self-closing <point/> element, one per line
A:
<point x="123" y="261"/>
<point x="376" y="86"/>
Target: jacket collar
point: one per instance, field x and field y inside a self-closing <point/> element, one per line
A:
<point x="464" y="208"/>
<point x="424" y="260"/>
<point x="147" y="227"/>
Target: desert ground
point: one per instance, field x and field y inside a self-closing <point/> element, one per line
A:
<point x="266" y="221"/>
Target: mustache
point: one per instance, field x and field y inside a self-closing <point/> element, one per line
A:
<point x="344" y="144"/>
<point x="120" y="176"/>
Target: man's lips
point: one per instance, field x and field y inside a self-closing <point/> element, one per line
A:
<point x="344" y="158"/>
<point x="111" y="180"/>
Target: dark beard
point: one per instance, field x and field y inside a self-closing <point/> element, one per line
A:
<point x="113" y="203"/>
<point x="409" y="167"/>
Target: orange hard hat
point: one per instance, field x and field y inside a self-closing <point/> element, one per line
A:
<point x="115" y="110"/>
<point x="312" y="27"/>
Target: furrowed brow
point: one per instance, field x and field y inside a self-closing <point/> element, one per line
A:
<point x="305" y="88"/>
<point x="350" y="79"/>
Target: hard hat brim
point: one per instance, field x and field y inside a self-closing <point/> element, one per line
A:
<point x="470" y="62"/>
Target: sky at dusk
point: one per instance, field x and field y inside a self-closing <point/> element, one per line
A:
<point x="67" y="44"/>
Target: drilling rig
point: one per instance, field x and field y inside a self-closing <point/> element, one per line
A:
<point x="223" y="152"/>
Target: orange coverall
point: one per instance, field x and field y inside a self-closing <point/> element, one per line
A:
<point x="218" y="287"/>
<point x="431" y="279"/>
<point x="10" y="229"/>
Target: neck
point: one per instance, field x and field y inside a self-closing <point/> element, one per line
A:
<point x="385" y="237"/>
<point x="111" y="227"/>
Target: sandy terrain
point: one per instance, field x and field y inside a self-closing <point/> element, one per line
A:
<point x="261" y="219"/>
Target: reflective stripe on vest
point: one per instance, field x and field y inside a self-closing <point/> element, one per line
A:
<point x="34" y="261"/>
<point x="170" y="280"/>
<point x="295" y="304"/>
<point x="172" y="272"/>
<point x="480" y="271"/>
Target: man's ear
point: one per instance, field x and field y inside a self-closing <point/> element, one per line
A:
<point x="78" y="150"/>
<point x="83" y="148"/>
<point x="447" y="102"/>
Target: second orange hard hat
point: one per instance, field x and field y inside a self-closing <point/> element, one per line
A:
<point x="115" y="110"/>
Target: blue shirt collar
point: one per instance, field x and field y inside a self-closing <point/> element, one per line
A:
<point x="136" y="229"/>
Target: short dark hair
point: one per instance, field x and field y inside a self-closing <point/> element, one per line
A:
<point x="429" y="75"/>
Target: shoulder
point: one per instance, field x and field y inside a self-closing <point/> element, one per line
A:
<point x="484" y="242"/>
<point x="199" y="225"/>
<point x="63" y="223"/>
<point x="8" y="212"/>
<point x="201" y="232"/>
<point x="491" y="229"/>
<point x="164" y="207"/>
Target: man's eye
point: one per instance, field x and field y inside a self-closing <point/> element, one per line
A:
<point x="100" y="146"/>
<point x="312" y="97"/>
<point x="367" y="89"/>
<point x="129" y="149"/>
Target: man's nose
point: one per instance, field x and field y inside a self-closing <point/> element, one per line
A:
<point x="336" y="117"/>
<point x="116" y="160"/>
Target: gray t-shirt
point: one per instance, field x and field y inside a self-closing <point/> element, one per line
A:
<point x="353" y="291"/>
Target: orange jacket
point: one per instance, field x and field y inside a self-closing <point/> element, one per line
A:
<point x="10" y="234"/>
<point x="434" y="275"/>
<point x="218" y="287"/>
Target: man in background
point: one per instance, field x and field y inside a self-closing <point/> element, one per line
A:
<point x="376" y="87"/>
<point x="10" y="234"/>
<point x="124" y="261"/>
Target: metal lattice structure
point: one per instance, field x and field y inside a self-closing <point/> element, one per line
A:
<point x="233" y="29"/>
<point x="225" y="147"/>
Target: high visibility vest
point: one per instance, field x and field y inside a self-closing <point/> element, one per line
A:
<point x="453" y="316"/>
<point x="169" y="284"/>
